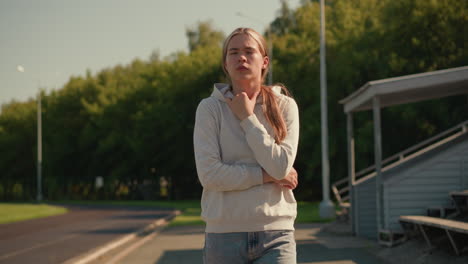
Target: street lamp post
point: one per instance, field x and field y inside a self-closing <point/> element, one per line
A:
<point x="326" y="208"/>
<point x="270" y="46"/>
<point x="39" y="140"/>
<point x="39" y="146"/>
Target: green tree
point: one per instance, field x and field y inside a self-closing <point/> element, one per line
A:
<point x="18" y="150"/>
<point x="203" y="34"/>
<point x="125" y="120"/>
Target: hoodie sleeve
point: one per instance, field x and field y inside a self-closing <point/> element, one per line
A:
<point x="212" y="172"/>
<point x="276" y="159"/>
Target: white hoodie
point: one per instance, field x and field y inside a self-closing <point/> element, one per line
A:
<point x="229" y="156"/>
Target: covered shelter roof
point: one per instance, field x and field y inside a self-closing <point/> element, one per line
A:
<point x="409" y="88"/>
<point x="375" y="95"/>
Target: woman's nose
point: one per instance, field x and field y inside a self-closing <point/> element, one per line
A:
<point x="242" y="58"/>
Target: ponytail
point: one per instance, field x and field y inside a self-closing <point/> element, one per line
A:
<point x="273" y="113"/>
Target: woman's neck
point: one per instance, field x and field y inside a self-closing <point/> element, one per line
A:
<point x="247" y="86"/>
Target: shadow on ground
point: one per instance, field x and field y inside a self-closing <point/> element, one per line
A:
<point x="308" y="251"/>
<point x="181" y="256"/>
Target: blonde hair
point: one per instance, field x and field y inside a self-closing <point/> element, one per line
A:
<point x="270" y="105"/>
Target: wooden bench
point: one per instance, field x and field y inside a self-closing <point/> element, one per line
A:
<point x="449" y="226"/>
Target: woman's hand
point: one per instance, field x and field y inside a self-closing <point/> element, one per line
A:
<point x="241" y="105"/>
<point x="290" y="181"/>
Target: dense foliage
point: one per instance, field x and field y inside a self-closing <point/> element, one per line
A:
<point x="133" y="124"/>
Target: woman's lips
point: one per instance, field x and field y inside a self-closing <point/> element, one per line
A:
<point x="242" y="68"/>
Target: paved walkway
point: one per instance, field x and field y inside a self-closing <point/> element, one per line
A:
<point x="56" y="239"/>
<point x="315" y="244"/>
<point x="330" y="243"/>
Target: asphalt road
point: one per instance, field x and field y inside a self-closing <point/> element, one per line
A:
<point x="59" y="238"/>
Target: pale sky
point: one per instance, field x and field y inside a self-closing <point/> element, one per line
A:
<point x="56" y="39"/>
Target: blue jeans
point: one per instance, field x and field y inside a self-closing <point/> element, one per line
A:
<point x="269" y="247"/>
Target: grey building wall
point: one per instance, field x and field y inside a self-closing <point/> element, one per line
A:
<point x="365" y="218"/>
<point x="464" y="166"/>
<point x="412" y="187"/>
<point x="425" y="182"/>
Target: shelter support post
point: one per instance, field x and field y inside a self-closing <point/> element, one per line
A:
<point x="351" y="168"/>
<point x="378" y="161"/>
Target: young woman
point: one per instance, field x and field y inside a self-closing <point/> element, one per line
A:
<point x="245" y="142"/>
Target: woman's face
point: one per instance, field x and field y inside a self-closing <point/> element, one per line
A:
<point x="244" y="60"/>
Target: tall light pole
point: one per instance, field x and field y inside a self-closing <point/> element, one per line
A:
<point x="39" y="140"/>
<point x="326" y="208"/>
<point x="270" y="46"/>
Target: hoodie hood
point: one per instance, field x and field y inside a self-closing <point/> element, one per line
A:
<point x="221" y="91"/>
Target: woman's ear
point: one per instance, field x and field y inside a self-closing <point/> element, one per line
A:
<point x="266" y="61"/>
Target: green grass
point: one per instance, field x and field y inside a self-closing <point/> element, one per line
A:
<point x="307" y="212"/>
<point x="14" y="212"/>
<point x="190" y="209"/>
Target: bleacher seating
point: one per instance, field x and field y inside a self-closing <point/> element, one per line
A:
<point x="449" y="224"/>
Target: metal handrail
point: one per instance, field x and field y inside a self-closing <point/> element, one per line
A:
<point x="398" y="158"/>
<point x="401" y="155"/>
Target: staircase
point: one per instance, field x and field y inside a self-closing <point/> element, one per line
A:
<point x="341" y="187"/>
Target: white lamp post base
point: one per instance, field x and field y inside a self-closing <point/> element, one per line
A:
<point x="326" y="209"/>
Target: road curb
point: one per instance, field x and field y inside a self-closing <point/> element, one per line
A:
<point x="98" y="252"/>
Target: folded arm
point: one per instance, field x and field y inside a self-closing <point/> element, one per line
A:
<point x="212" y="172"/>
<point x="276" y="159"/>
